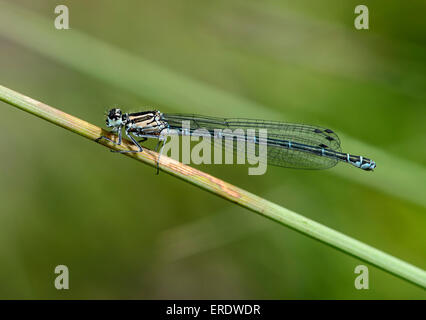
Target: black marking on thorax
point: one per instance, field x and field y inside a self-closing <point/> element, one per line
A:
<point x="147" y="119"/>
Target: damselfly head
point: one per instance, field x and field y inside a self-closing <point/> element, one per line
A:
<point x="114" y="118"/>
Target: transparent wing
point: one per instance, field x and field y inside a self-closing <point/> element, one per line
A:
<point x="279" y="133"/>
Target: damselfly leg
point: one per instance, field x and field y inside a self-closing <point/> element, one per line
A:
<point x="108" y="139"/>
<point x="161" y="140"/>
<point x="130" y="151"/>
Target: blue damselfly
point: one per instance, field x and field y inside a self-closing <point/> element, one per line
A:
<point x="288" y="145"/>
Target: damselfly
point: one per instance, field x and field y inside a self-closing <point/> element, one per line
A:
<point x="288" y="145"/>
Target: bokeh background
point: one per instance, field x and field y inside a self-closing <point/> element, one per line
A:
<point x="126" y="233"/>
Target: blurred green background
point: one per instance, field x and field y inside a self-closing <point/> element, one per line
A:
<point x="126" y="233"/>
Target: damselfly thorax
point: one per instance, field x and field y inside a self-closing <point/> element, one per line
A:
<point x="144" y="123"/>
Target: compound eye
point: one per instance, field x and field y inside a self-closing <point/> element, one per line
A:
<point x="111" y="114"/>
<point x="118" y="113"/>
<point x="114" y="114"/>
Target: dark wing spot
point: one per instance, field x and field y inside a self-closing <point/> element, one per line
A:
<point x="323" y="145"/>
<point x="329" y="138"/>
<point x="317" y="131"/>
<point x="329" y="131"/>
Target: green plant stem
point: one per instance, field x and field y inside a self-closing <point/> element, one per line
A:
<point x="225" y="190"/>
